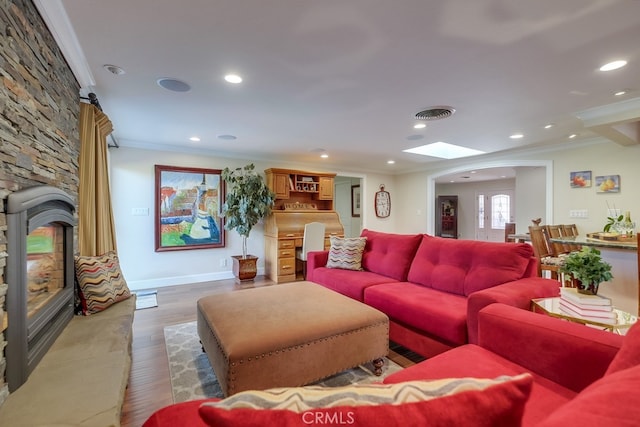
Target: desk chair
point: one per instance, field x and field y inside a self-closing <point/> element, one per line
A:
<point x="313" y="240"/>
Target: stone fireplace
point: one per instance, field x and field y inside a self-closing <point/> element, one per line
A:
<point x="40" y="276"/>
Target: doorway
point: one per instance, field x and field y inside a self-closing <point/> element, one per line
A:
<point x="493" y="210"/>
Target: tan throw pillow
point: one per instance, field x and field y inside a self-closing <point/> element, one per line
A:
<point x="445" y="402"/>
<point x="346" y="253"/>
<point x="100" y="281"/>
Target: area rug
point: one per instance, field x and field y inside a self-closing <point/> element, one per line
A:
<point x="146" y="299"/>
<point x="193" y="378"/>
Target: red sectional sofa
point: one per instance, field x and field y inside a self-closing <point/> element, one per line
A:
<point x="581" y="376"/>
<point x="432" y="288"/>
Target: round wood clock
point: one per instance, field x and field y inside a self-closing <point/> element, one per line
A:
<point x="383" y="203"/>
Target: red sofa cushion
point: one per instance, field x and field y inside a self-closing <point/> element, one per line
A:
<point x="389" y="254"/>
<point x="466" y="266"/>
<point x="184" y="414"/>
<point x="455" y="402"/>
<point x="473" y="361"/>
<point x="610" y="401"/>
<point x="437" y="313"/>
<point x="629" y="354"/>
<point x="347" y="282"/>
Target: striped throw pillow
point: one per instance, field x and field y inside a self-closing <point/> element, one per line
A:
<point x="101" y="283"/>
<point x="444" y="402"/>
<point x="346" y="253"/>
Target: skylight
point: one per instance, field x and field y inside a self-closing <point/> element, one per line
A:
<point x="443" y="150"/>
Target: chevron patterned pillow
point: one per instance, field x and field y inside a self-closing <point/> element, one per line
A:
<point x="346" y="253"/>
<point x="443" y="402"/>
<point x="100" y="281"/>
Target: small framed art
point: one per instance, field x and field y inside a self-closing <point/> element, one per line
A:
<point x="608" y="184"/>
<point x="581" y="179"/>
<point x="355" y="201"/>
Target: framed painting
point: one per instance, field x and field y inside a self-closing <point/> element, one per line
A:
<point x="188" y="208"/>
<point x="608" y="184"/>
<point x="355" y="201"/>
<point x="581" y="179"/>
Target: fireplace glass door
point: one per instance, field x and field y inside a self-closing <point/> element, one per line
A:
<point x="45" y="266"/>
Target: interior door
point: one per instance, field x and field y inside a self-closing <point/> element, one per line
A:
<point x="493" y="210"/>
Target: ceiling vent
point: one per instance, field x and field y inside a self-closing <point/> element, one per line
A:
<point x="435" y="113"/>
<point x="173" y="85"/>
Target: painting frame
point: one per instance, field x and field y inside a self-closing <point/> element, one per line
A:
<point x="607" y="184"/>
<point x="580" y="179"/>
<point x="356" y="202"/>
<point x="188" y="203"/>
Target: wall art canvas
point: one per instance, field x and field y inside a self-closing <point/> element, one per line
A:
<point x="188" y="205"/>
<point x="608" y="184"/>
<point x="581" y="179"/>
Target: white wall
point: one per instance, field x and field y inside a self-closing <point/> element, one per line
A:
<point x="530" y="197"/>
<point x="133" y="186"/>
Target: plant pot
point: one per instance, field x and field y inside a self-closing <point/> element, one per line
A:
<point x="245" y="269"/>
<point x="589" y="289"/>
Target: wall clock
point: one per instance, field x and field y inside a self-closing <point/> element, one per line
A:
<point x="383" y="203"/>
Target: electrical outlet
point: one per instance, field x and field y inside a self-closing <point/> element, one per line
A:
<point x="223" y="262"/>
<point x="140" y="211"/>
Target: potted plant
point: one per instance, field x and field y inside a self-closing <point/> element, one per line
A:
<point x="587" y="268"/>
<point x="248" y="200"/>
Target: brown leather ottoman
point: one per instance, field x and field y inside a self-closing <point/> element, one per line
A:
<point x="287" y="335"/>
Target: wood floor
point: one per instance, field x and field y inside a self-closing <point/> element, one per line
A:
<point x="149" y="383"/>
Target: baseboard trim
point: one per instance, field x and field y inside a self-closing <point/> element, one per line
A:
<point x="135" y="285"/>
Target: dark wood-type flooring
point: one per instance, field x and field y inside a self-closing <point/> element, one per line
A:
<point x="149" y="383"/>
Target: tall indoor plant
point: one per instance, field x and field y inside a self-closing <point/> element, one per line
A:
<point x="588" y="268"/>
<point x="248" y="200"/>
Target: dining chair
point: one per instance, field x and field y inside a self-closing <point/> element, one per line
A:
<point x="558" y="249"/>
<point x="312" y="240"/>
<point x="571" y="230"/>
<point x="547" y="262"/>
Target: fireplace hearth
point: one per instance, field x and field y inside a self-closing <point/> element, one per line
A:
<point x="40" y="276"/>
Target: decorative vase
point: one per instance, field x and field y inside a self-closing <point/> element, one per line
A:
<point x="245" y="269"/>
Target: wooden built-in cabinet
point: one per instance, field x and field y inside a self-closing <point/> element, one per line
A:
<point x="301" y="197"/>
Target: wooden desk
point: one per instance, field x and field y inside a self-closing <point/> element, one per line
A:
<point x="283" y="233"/>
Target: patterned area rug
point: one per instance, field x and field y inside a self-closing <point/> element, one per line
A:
<point x="192" y="376"/>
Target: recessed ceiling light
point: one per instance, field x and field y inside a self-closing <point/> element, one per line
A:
<point x="173" y="85"/>
<point x="227" y="137"/>
<point x="516" y="136"/>
<point x="620" y="93"/>
<point x="233" y="78"/>
<point x="474" y="172"/>
<point x="419" y="126"/>
<point x="391" y="162"/>
<point x="194" y="139"/>
<point x="548" y="126"/>
<point x="324" y="156"/>
<point x="443" y="150"/>
<point x="573" y="135"/>
<point x="614" y="65"/>
<point x="113" y="69"/>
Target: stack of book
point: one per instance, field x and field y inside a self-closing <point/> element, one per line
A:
<point x="595" y="308"/>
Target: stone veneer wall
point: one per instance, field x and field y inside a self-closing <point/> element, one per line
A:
<point x="39" y="111"/>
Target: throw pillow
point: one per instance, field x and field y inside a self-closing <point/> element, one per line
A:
<point x="447" y="402"/>
<point x="346" y="253"/>
<point x="100" y="282"/>
<point x="629" y="354"/>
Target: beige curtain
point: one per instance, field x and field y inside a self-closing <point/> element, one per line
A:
<point x="96" y="230"/>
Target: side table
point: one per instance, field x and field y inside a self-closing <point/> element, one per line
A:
<point x="551" y="307"/>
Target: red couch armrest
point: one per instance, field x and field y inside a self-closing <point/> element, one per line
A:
<point x="316" y="259"/>
<point x="518" y="293"/>
<point x="570" y="354"/>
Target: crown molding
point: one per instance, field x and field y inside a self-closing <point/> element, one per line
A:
<point x="55" y="17"/>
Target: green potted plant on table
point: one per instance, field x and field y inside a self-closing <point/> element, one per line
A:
<point x="248" y="200"/>
<point x="587" y="268"/>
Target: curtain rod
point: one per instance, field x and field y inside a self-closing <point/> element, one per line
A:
<point x="93" y="100"/>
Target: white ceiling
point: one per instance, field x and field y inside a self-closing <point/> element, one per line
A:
<point x="347" y="77"/>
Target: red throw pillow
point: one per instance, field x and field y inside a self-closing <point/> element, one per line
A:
<point x="446" y="402"/>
